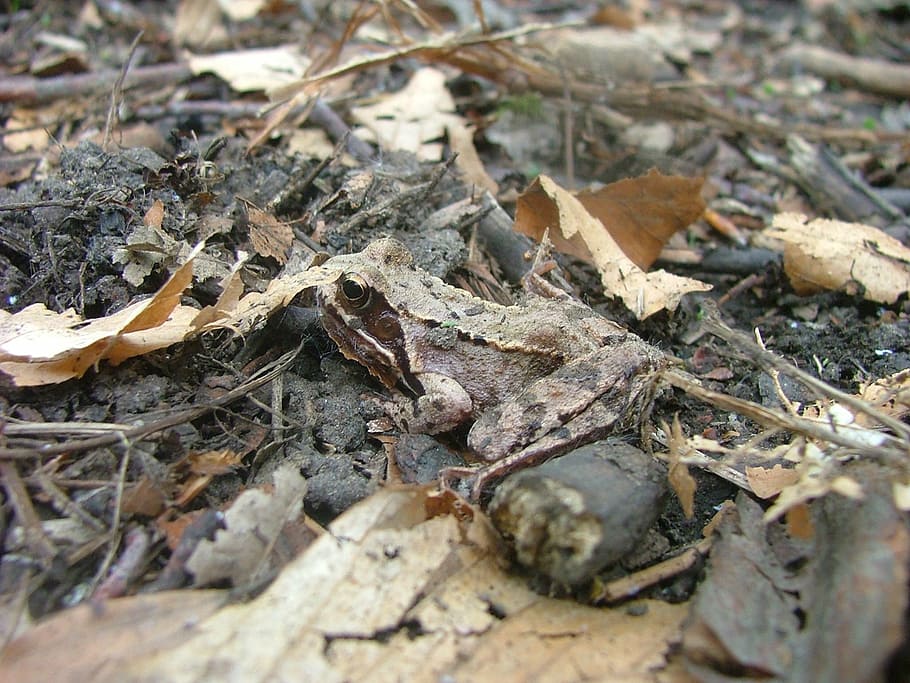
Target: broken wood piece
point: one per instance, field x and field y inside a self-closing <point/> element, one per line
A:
<point x="571" y="517"/>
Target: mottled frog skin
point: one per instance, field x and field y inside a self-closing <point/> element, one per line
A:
<point x="518" y="372"/>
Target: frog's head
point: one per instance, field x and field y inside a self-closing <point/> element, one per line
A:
<point x="359" y="313"/>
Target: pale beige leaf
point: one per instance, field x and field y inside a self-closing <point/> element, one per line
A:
<point x="461" y="140"/>
<point x="413" y="119"/>
<point x="241" y="10"/>
<point x="198" y="24"/>
<point x="241" y="551"/>
<point x="254" y="69"/>
<point x="392" y="594"/>
<point x="850" y="257"/>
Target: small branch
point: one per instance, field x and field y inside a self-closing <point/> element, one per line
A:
<point x="29" y="90"/>
<point x="143" y="430"/>
<point x="871" y="75"/>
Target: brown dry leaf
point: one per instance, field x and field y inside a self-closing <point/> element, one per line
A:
<point x="155" y="215"/>
<point x="93" y="642"/>
<point x="851" y="257"/>
<point x="766" y="483"/>
<point x="242" y="552"/>
<point x="837" y="605"/>
<point x="641" y="214"/>
<point x="575" y="231"/>
<point x="38" y="346"/>
<point x="214" y="462"/>
<point x="145" y="497"/>
<point x="388" y="594"/>
<point x="254" y="69"/>
<point x="269" y="236"/>
<point x="681" y="481"/>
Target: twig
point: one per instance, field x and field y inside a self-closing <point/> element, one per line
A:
<point x="114" y="534"/>
<point x="713" y="324"/>
<point x="127" y="566"/>
<point x="871" y="75"/>
<point x="29" y="90"/>
<point x="143" y="430"/>
<point x="630" y="586"/>
<point x="117" y="94"/>
<point x="775" y="419"/>
<point x="35" y="538"/>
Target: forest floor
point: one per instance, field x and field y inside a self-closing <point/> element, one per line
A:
<point x="197" y="483"/>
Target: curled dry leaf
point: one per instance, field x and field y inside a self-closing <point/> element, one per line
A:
<point x="851" y="257"/>
<point x="38" y="346"/>
<point x="631" y="214"/>
<point x="256" y="307"/>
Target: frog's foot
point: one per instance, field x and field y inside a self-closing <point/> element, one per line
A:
<point x="470" y="482"/>
<point x="457" y="480"/>
<point x="442" y="405"/>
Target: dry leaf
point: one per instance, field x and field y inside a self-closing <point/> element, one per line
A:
<point x="269" y="236"/>
<point x="255" y="69"/>
<point x="461" y="140"/>
<point x="415" y="118"/>
<point x="766" y="483"/>
<point x="241" y="10"/>
<point x="24" y="130"/>
<point x="93" y="642"/>
<point x="641" y="214"/>
<point x="148" y="246"/>
<point x="851" y="257"/>
<point x="388" y="594"/>
<point x="256" y="307"/>
<point x="231" y="291"/>
<point x="155" y="215"/>
<point x="198" y="24"/>
<point x="242" y="552"/>
<point x="681" y="481"/>
<point x="38" y="346"/>
<point x="574" y="230"/>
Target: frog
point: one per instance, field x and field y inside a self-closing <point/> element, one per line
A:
<point x="529" y="380"/>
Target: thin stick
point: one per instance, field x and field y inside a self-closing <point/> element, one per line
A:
<point x="117" y="94"/>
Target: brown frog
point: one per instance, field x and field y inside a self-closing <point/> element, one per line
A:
<point x="535" y="379"/>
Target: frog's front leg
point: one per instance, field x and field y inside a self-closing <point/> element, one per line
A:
<point x="441" y="405"/>
<point x="560" y="407"/>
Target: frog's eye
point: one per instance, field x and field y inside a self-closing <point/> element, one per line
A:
<point x="355" y="290"/>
